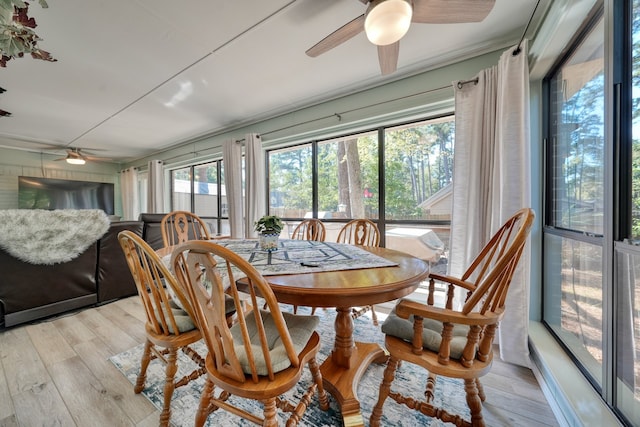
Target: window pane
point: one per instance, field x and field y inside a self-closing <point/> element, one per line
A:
<point x="290" y="182"/>
<point x="418" y="170"/>
<point x="573" y="305"/>
<point x="181" y="189"/>
<point x="628" y="327"/>
<point x="206" y="190"/>
<point x="348" y="177"/>
<point x="635" y="94"/>
<point x="577" y="138"/>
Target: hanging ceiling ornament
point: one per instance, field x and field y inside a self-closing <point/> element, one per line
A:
<point x="17" y="36"/>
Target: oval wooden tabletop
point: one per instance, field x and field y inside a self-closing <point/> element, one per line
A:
<point x="347" y="288"/>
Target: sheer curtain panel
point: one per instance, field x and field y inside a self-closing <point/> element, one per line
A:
<point x="255" y="182"/>
<point x="232" y="158"/>
<point x="155" y="197"/>
<point x="129" y="194"/>
<point x="492" y="180"/>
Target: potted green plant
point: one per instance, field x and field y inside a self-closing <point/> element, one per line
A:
<point x="269" y="227"/>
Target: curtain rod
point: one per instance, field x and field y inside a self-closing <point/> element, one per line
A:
<point x="241" y="140"/>
<point x="461" y="83"/>
<point x="517" y="49"/>
<point x="339" y="115"/>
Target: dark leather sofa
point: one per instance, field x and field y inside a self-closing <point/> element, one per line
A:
<point x="151" y="231"/>
<point x="99" y="275"/>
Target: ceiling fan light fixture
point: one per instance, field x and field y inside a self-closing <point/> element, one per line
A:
<point x="74" y="158"/>
<point x="75" y="161"/>
<point x="387" y="21"/>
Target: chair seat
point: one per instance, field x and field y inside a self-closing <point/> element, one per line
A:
<point x="403" y="350"/>
<point x="183" y="321"/>
<point x="286" y="378"/>
<point x="300" y="327"/>
<point x="401" y="328"/>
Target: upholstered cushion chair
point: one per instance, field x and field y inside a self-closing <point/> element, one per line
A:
<point x="452" y="342"/>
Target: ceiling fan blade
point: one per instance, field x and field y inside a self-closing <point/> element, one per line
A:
<point x="388" y="57"/>
<point x="97" y="159"/>
<point x="451" y="11"/>
<point x="339" y="36"/>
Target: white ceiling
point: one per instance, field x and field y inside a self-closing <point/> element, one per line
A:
<point x="137" y="76"/>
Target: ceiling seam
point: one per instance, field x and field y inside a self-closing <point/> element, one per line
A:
<point x="159" y="85"/>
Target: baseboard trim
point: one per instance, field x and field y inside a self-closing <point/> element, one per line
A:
<point x="28" y="315"/>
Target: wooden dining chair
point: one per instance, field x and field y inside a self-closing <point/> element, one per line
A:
<point x="310" y="229"/>
<point x="450" y="342"/>
<point x="180" y="226"/>
<point x="263" y="354"/>
<point x="362" y="232"/>
<point x="169" y="328"/>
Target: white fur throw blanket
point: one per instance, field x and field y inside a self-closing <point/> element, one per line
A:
<point x="49" y="237"/>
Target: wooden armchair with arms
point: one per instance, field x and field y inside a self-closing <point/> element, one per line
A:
<point x="362" y="232"/>
<point x="180" y="226"/>
<point x="455" y="343"/>
<point x="169" y="328"/>
<point x="263" y="354"/>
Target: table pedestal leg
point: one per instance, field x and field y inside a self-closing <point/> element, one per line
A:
<point x="341" y="371"/>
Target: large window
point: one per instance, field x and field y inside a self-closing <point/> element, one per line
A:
<point x="200" y="189"/>
<point x="592" y="225"/>
<point x="398" y="176"/>
<point x="627" y="249"/>
<point x="573" y="298"/>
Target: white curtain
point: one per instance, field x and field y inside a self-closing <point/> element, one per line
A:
<point x="492" y="180"/>
<point x="255" y="183"/>
<point x="232" y="158"/>
<point x="155" y="198"/>
<point x="129" y="193"/>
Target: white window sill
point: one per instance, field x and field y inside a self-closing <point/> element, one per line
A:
<point x="572" y="398"/>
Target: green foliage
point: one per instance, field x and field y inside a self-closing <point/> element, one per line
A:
<point x="291" y="178"/>
<point x="269" y="224"/>
<point x="17" y="36"/>
<point x="418" y="163"/>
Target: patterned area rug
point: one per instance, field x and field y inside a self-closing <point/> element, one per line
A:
<point x="408" y="378"/>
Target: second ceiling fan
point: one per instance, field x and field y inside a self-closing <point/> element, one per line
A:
<point x="387" y="21"/>
<point x="76" y="156"/>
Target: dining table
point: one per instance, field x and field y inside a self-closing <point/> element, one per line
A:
<point x="364" y="281"/>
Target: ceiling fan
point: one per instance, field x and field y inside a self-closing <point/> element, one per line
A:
<point x="75" y="156"/>
<point x="385" y="22"/>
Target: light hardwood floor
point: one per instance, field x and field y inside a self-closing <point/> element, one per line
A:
<point x="57" y="373"/>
